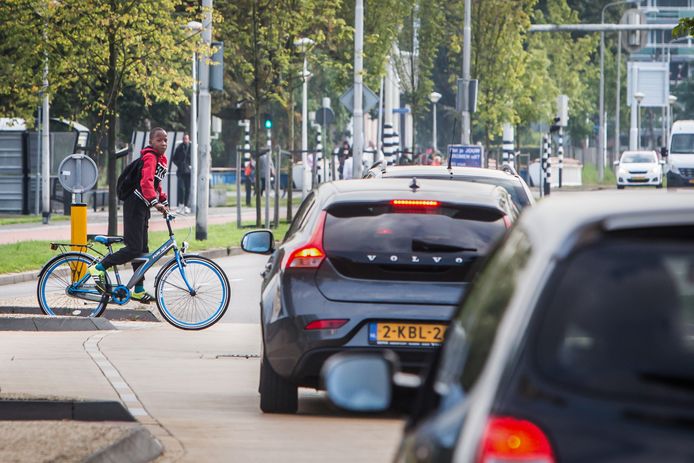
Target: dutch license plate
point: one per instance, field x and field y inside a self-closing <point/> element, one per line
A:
<point x="638" y="178"/>
<point x="691" y="180"/>
<point x="406" y="334"/>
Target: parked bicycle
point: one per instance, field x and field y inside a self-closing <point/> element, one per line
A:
<point x="192" y="291"/>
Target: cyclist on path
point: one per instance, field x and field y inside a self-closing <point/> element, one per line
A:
<point x="136" y="214"/>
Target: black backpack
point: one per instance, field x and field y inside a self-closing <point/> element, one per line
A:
<point x="129" y="179"/>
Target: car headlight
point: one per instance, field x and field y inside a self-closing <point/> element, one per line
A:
<point x="623" y="171"/>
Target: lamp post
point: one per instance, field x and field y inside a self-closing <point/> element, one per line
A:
<point x="672" y="99"/>
<point x="196" y="27"/>
<point x="434" y="97"/>
<point x="303" y="45"/>
<point x="638" y="96"/>
<point x="601" y="109"/>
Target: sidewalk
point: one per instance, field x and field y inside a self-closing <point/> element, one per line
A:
<point x="97" y="223"/>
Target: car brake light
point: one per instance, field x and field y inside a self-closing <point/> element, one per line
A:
<point x="326" y="324"/>
<point x="311" y="254"/>
<point x="508" y="439"/>
<point x="507" y="221"/>
<point x="414" y="203"/>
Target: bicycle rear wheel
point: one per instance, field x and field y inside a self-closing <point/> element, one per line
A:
<point x="209" y="300"/>
<point x="63" y="290"/>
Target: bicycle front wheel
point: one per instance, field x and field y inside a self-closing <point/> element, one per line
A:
<point x="201" y="308"/>
<point x="64" y="288"/>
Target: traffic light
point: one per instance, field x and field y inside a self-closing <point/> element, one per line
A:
<point x="267" y="121"/>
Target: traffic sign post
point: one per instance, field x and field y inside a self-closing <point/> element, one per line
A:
<point x="465" y="156"/>
<point x="78" y="173"/>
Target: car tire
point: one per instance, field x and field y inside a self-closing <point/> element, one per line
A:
<point x="277" y="395"/>
<point x="620" y="187"/>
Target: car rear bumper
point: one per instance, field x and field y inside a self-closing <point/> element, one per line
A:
<point x="298" y="354"/>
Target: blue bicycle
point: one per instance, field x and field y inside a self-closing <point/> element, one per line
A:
<point x="192" y="291"/>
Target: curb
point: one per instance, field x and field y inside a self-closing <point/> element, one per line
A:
<point x="22" y="277"/>
<point x="57" y="410"/>
<point x="43" y="323"/>
<point x="138" y="315"/>
<point x="137" y="446"/>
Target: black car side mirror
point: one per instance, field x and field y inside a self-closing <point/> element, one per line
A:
<point x="663" y="152"/>
<point x="258" y="242"/>
<point x="358" y="382"/>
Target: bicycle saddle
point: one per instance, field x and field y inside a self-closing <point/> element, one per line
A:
<point x="108" y="239"/>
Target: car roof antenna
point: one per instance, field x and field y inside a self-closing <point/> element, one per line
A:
<point x="414" y="185"/>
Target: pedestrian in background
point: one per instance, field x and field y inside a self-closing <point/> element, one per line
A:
<point x="181" y="159"/>
<point x="262" y="168"/>
<point x="248" y="179"/>
<point x="345" y="153"/>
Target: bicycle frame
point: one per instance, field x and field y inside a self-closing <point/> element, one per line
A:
<point x="148" y="261"/>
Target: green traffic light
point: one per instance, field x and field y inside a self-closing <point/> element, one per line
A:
<point x="268" y="123"/>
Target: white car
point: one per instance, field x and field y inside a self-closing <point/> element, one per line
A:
<point x="637" y="168"/>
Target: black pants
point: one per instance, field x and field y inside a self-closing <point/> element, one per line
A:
<point x="183" y="189"/>
<point x="135" y="225"/>
<point x="248" y="181"/>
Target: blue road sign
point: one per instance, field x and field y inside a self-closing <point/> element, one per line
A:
<point x="465" y="155"/>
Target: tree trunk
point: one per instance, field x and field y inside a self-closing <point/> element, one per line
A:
<point x="111" y="142"/>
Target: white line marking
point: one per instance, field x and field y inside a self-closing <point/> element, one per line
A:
<point x="138" y="412"/>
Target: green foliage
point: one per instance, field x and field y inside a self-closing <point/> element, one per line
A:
<point x="31" y="255"/>
<point x="571" y="70"/>
<point x="684" y="28"/>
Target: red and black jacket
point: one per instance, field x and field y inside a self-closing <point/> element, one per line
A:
<point x="153" y="173"/>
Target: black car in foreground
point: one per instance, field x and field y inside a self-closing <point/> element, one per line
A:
<point x="574" y="344"/>
<point x="369" y="266"/>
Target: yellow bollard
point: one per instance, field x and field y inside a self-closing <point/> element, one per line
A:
<point x="78" y="239"/>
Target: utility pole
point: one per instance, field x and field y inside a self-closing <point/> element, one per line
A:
<point x="45" y="142"/>
<point x="204" y="127"/>
<point x="358" y="147"/>
<point x="467" y="45"/>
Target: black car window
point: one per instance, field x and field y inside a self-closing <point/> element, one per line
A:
<point x="385" y="229"/>
<point x="300" y="216"/>
<point x="620" y="321"/>
<point x="473" y="329"/>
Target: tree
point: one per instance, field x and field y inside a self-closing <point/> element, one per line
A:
<point x="419" y="42"/>
<point x="95" y="49"/>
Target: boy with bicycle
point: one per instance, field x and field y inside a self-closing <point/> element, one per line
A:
<point x="136" y="213"/>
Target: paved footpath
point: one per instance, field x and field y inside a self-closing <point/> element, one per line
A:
<point x="195" y="391"/>
<point x="97" y="223"/>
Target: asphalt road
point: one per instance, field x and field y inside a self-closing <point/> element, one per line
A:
<point x="196" y="391"/>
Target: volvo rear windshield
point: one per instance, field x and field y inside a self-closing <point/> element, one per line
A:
<point x="620" y="321"/>
<point x="440" y="243"/>
<point x="430" y="229"/>
<point x="682" y="143"/>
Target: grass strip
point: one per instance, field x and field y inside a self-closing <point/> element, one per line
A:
<point x="18" y="219"/>
<point x="32" y="255"/>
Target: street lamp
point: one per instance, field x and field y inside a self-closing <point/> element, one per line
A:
<point x="638" y="96"/>
<point x="303" y="44"/>
<point x="601" y="115"/>
<point x="672" y="99"/>
<point x="434" y="97"/>
<point x="196" y="27"/>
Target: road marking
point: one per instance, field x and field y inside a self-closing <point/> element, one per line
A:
<point x="125" y="393"/>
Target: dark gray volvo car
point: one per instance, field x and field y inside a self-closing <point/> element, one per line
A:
<point x="369" y="266"/>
